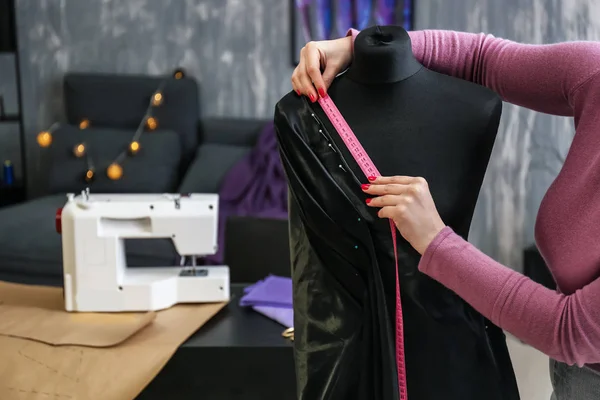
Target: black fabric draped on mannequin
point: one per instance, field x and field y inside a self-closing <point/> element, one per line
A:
<point x="414" y="122"/>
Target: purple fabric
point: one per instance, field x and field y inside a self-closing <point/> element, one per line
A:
<point x="285" y="316"/>
<point x="254" y="187"/>
<point x="271" y="297"/>
<point x="273" y="291"/>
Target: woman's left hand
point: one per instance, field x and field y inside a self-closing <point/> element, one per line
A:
<point x="408" y="202"/>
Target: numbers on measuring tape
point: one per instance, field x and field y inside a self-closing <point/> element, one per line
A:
<point x="341" y="126"/>
<point x="368" y="167"/>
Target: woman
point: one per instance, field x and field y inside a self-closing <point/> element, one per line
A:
<point x="560" y="79"/>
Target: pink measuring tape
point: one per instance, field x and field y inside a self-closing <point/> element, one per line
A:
<point x="368" y="168"/>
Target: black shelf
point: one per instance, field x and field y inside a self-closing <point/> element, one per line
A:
<point x="9" y="44"/>
<point x="11" y="194"/>
<point x="8" y="31"/>
<point x="10" y="118"/>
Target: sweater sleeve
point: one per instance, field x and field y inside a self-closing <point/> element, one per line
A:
<point x="565" y="327"/>
<point x="543" y="78"/>
<point x="560" y="79"/>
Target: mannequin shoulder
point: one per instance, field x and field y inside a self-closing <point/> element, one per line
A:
<point x="293" y="114"/>
<point x="481" y="101"/>
<point x="289" y="104"/>
<point x="466" y="106"/>
<point x="289" y="101"/>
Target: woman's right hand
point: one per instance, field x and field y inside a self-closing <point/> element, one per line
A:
<point x="329" y="56"/>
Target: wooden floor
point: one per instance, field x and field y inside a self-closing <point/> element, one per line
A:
<point x="531" y="368"/>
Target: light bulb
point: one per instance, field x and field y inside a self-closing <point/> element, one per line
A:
<point x="84" y="124"/>
<point x="157" y="99"/>
<point x="89" y="175"/>
<point x="114" y="171"/>
<point x="79" y="150"/>
<point x="44" y="139"/>
<point x="151" y="123"/>
<point x="134" y="147"/>
<point x="179" y="73"/>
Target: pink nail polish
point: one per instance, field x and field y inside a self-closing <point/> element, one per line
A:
<point x="322" y="92"/>
<point x="372" y="178"/>
<point x="365" y="187"/>
<point x="312" y="97"/>
<point x="368" y="201"/>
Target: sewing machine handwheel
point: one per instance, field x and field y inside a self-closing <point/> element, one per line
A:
<point x="58" y="220"/>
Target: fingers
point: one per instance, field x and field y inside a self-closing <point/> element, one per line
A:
<point x="392" y="212"/>
<point x="404" y="180"/>
<point x="307" y="87"/>
<point x="395" y="191"/>
<point x="387" y="200"/>
<point x="313" y="67"/>
<point x="331" y="70"/>
<point x="307" y="79"/>
<point x="300" y="79"/>
<point x="392" y="188"/>
<point x="296" y="82"/>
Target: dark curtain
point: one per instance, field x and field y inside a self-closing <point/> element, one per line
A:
<point x="7" y="26"/>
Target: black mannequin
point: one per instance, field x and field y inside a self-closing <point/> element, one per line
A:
<point x="414" y="122"/>
<point x="383" y="55"/>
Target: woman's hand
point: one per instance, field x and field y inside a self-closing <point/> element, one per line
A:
<point x="329" y="56"/>
<point x="408" y="202"/>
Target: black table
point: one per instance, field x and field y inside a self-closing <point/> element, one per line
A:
<point x="239" y="354"/>
<point x="12" y="194"/>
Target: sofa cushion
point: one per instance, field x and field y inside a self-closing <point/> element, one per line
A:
<point x="210" y="166"/>
<point x="31" y="250"/>
<point x="154" y="169"/>
<point x="121" y="101"/>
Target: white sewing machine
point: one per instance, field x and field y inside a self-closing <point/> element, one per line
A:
<point x="96" y="277"/>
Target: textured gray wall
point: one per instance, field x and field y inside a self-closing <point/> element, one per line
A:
<point x="239" y="50"/>
<point x="531" y="146"/>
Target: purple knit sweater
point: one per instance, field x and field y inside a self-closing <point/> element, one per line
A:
<point x="560" y="79"/>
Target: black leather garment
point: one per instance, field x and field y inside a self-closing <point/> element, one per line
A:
<point x="342" y="256"/>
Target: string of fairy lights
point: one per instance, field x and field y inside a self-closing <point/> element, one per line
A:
<point x="114" y="170"/>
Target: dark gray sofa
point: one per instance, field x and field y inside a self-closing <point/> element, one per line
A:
<point x="30" y="247"/>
